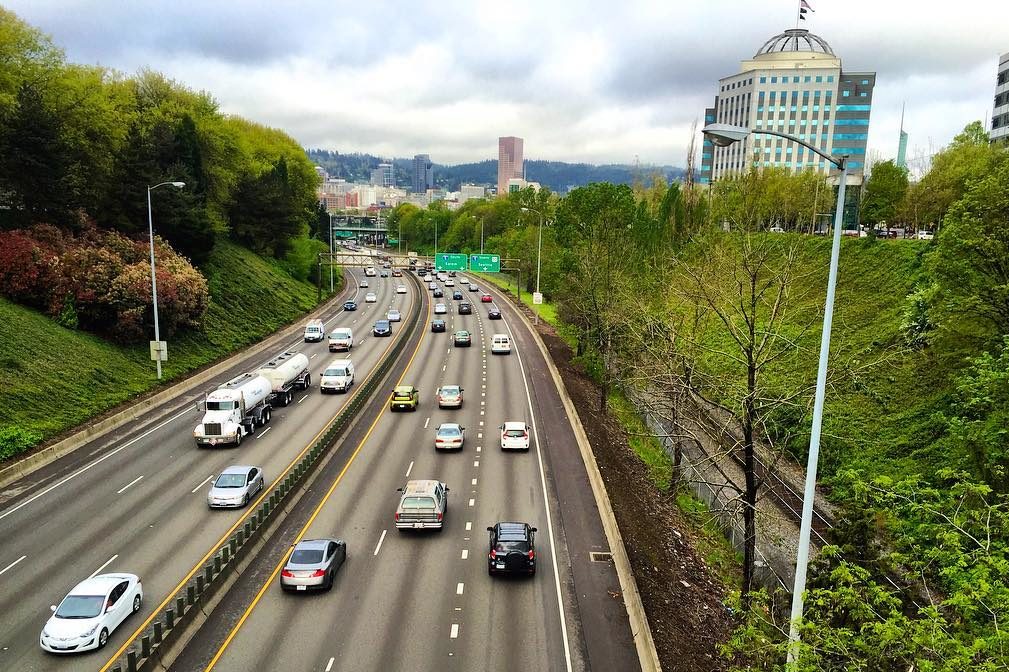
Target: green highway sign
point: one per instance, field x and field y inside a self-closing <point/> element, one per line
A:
<point x="485" y="263"/>
<point x="393" y="241"/>
<point x="450" y="262"/>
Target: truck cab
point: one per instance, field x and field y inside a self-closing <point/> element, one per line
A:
<point x="234" y="410"/>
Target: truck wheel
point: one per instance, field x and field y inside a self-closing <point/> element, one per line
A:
<point x="238" y="438"/>
<point x="266" y="416"/>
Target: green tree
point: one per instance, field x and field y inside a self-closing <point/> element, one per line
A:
<point x="884" y="192"/>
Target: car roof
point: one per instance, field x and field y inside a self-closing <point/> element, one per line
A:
<point x="500" y="335"/>
<point x="315" y="544"/>
<point x="404" y="388"/>
<point x="449" y="425"/>
<point x="420" y="487"/>
<point x="449" y="387"/>
<point x="510" y="531"/>
<point x="462" y="331"/>
<point x="514" y="425"/>
<point x="238" y="469"/>
<point x="100" y="584"/>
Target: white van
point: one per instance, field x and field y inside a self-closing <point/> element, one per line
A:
<point x="337" y="377"/>
<point x="341" y="339"/>
<point x="315" y="331"/>
<point x="500" y="344"/>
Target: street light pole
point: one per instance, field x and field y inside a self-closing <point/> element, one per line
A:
<point x="330" y="252"/>
<point x="724" y="135"/>
<point x="539" y="255"/>
<point x="154" y="277"/>
<point x="481" y="235"/>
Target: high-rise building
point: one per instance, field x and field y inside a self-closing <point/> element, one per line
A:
<point x="383" y="176"/>
<point x="423" y="174"/>
<point x="469" y="191"/>
<point x="1000" y="114"/>
<point x="902" y="143"/>
<point x="509" y="161"/>
<point x="794" y="84"/>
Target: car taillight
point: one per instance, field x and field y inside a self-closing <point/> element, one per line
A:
<point x="525" y="435"/>
<point x="322" y="572"/>
<point x="397" y="516"/>
<point x="440" y="516"/>
<point x="287" y="574"/>
<point x="493" y="554"/>
<point x="532" y="555"/>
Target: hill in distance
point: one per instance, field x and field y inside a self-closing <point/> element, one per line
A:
<point x="558" y="176"/>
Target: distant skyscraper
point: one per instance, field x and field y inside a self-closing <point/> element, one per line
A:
<point x="423" y="174"/>
<point x="902" y="142"/>
<point x="794" y="84"/>
<point x="1000" y="114"/>
<point x="509" y="161"/>
<point x="383" y="176"/>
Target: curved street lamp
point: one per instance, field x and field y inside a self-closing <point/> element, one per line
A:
<point x="539" y="253"/>
<point x="154" y="279"/>
<point x="724" y="135"/>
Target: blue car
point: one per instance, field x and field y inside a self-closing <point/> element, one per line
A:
<point x="350" y="305"/>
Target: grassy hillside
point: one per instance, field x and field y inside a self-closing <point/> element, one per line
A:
<point x="54" y="378"/>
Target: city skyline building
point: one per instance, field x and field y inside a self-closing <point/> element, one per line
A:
<point x="794" y="84"/>
<point x="999" y="132"/>
<point x="510" y="161"/>
<point x="383" y="176"/>
<point x="423" y="174"/>
<point x="902" y="143"/>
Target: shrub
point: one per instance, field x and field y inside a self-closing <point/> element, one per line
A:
<point x="16" y="440"/>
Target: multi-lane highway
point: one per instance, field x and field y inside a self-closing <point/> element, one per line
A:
<point x="139" y="504"/>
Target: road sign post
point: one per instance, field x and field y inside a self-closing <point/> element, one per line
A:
<point x="159" y="351"/>
<point x="537" y="299"/>
<point x="449" y="262"/>
<point x="485" y="263"/>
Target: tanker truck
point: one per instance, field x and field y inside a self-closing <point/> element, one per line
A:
<point x="234" y="410"/>
<point x="286" y="372"/>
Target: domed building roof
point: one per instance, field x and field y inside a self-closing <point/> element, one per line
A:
<point x="795" y="39"/>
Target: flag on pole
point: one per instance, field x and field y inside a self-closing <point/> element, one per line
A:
<point x="803" y="8"/>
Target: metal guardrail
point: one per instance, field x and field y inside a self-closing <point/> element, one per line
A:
<point x="188" y="601"/>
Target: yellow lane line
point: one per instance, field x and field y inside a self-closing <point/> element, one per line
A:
<point x="318" y="509"/>
<point x="249" y="511"/>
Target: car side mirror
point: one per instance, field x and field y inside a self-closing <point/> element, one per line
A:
<point x="52" y="607"/>
<point x="532" y="529"/>
<point x="110" y="608"/>
<point x="399" y="489"/>
<point x="490" y="528"/>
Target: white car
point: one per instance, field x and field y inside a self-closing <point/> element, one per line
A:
<point x="449" y="436"/>
<point x="925" y="235"/>
<point x="500" y="344"/>
<point x="514" y="436"/>
<point x="370" y="271"/>
<point x="401" y="289"/>
<point x="450" y="282"/>
<point x="394" y="315"/>
<point x="363" y="283"/>
<point x="370" y="297"/>
<point x="432" y="285"/>
<point x="90" y="612"/>
<point x="440" y="309"/>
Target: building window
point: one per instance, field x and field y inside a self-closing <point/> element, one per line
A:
<point x="763" y="80"/>
<point x="853" y="108"/>
<point x="846" y="93"/>
<point x="819" y="79"/>
<point x="806" y="79"/>
<point x="795" y="80"/>
<point x="862" y="94"/>
<point x="865" y="82"/>
<point x="830" y="78"/>
<point x="774" y="80"/>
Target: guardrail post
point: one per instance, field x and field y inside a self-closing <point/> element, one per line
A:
<point x="170" y="618"/>
<point x="157" y="632"/>
<point x="226" y="554"/>
<point x="248" y="528"/>
<point x="180" y="606"/>
<point x="145" y="646"/>
<point x="131" y="660"/>
<point x="232" y="545"/>
<point x="117" y="668"/>
<point x="190" y="595"/>
<point x="217" y="564"/>
<point x="199" y="585"/>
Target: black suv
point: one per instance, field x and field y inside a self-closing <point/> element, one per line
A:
<point x="512" y="549"/>
<point x="465" y="308"/>
<point x="437" y="325"/>
<point x="382" y="328"/>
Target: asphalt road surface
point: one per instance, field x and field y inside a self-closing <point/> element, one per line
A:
<point x="136" y="502"/>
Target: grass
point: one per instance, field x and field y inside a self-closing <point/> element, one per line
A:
<point x="55" y="378"/>
<point x="547" y="311"/>
<point x="641" y="440"/>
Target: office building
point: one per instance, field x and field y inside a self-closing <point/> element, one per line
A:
<point x="518" y="184"/>
<point x="470" y="191"/>
<point x="383" y="176"/>
<point x="423" y="174"/>
<point x="509" y="162"/>
<point x="1000" y="114"/>
<point x="794" y="84"/>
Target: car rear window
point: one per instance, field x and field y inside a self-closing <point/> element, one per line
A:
<point x="505" y="546"/>
<point x="418" y="503"/>
<point x="449" y="431"/>
<point x="341" y="333"/>
<point x="515" y="433"/>
<point x="306" y="556"/>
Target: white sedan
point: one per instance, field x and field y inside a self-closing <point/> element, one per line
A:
<point x="363" y="283"/>
<point x="91" y="612"/>
<point x="401" y="289"/>
<point x="370" y="297"/>
<point x="440" y="309"/>
<point x="514" y="436"/>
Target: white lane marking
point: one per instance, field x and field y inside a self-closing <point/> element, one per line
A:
<point x="425" y="422"/>
<point x="263" y="433"/>
<point x="478" y="449"/>
<point x="482" y="402"/>
<point x="546" y="505"/>
<point x="481" y="412"/>
<point x="476" y="463"/>
<point x="303" y="399"/>
<point x="443" y="367"/>
<point x="25" y="556"/>
<point x="449" y="351"/>
<point x="96" y="462"/>
<point x="472" y="502"/>
<point x="329" y="665"/>
<point x="479" y="435"/>
<point x="123" y="489"/>
<point x="459" y="587"/>
<point x="481" y="422"/>
<point x="314" y="356"/>
<point x="465" y="554"/>
<point x="201" y="484"/>
<point x="410" y="468"/>
<point x="455" y="631"/>
<point x="473" y="482"/>
<point x="469" y="525"/>
<point x="380" y="540"/>
<point x="107" y="563"/>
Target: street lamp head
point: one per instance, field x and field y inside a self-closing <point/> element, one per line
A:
<point x="724" y="135"/>
<point x="178" y="185"/>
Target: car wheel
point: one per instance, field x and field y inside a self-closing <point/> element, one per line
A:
<point x="490" y="572"/>
<point x="261" y="485"/>
<point x="136" y="604"/>
<point x="245" y="500"/>
<point x="329" y="582"/>
<point x="103" y="638"/>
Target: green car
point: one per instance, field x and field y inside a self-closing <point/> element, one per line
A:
<point x="404" y="397"/>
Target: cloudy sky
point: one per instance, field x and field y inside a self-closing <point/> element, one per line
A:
<point x="583" y="80"/>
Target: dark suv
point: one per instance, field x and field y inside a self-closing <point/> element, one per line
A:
<point x="512" y="549"/>
<point x="382" y="328"/>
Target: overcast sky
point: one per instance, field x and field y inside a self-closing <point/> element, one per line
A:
<point x="583" y="80"/>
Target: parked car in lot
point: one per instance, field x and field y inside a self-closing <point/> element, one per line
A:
<point x="90" y="612"/>
<point x="486" y="298"/>
<point x="404" y="398"/>
<point x="440" y="309"/>
<point x="382" y="328"/>
<point x="514" y="436"/>
<point x="500" y="344"/>
<point x="394" y="315"/>
<point x="313" y="564"/>
<point x="449" y="396"/>
<point x="437" y="325"/>
<point x="234" y="487"/>
<point x="512" y="549"/>
<point x="494" y="313"/>
<point x="337" y="377"/>
<point x="422" y="505"/>
<point x="449" y="436"/>
<point x="370" y="297"/>
<point x="462" y="339"/>
<point x="350" y="305"/>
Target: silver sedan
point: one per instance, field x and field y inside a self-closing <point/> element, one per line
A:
<point x="313" y="564"/>
<point x="235" y="487"/>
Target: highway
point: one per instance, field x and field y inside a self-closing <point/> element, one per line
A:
<point x="424" y="601"/>
<point x="137" y="503"/>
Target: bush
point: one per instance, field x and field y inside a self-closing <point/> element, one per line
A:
<point x="302" y="260"/>
<point x="15" y="440"/>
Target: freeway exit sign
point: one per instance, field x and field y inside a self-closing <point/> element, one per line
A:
<point x="485" y="263"/>
<point x="450" y="262"/>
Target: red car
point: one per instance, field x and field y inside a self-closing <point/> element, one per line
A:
<point x="486" y="298"/>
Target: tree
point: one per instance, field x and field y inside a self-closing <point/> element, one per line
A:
<point x="884" y="192"/>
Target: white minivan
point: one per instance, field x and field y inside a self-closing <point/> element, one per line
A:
<point x="500" y="344"/>
<point x="341" y="339"/>
<point x="315" y="331"/>
<point x="337" y="377"/>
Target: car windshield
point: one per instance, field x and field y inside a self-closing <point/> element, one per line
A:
<point x="230" y="481"/>
<point x="449" y="431"/>
<point x="382" y="324"/>
<point x="221" y="405"/>
<point x="417" y="503"/>
<point x="515" y="433"/>
<point x="81" y="606"/>
<point x="335" y="372"/>
<point x="306" y="556"/>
